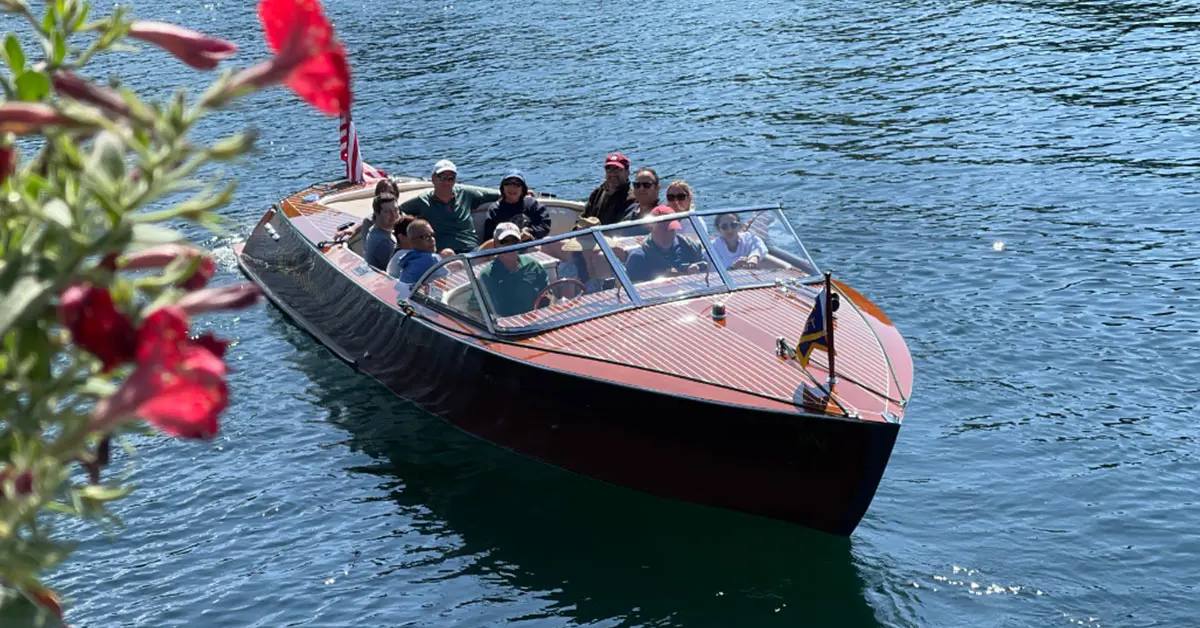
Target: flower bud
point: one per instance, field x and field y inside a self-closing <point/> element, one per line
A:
<point x="8" y="162"/>
<point x="198" y="50"/>
<point x="24" y="118"/>
<point x="224" y="298"/>
<point x="74" y="86"/>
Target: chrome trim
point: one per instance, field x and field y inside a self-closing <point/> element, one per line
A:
<point x="618" y="270"/>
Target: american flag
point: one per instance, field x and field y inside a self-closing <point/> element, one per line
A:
<point x="357" y="170"/>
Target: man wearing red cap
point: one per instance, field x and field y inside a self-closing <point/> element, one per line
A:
<point x="611" y="199"/>
<point x="664" y="252"/>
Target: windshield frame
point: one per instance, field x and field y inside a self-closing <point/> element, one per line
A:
<point x="635" y="298"/>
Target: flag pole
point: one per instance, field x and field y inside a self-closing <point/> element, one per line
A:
<point x="832" y="379"/>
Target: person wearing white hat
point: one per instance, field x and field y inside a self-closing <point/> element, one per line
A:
<point x="448" y="208"/>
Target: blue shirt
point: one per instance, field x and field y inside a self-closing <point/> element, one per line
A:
<point x="378" y="247"/>
<point x="650" y="261"/>
<point x="415" y="263"/>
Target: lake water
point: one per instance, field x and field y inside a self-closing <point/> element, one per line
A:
<point x="1015" y="183"/>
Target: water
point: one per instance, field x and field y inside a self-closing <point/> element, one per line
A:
<point x="1044" y="476"/>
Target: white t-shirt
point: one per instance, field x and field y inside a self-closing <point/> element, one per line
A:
<point x="748" y="244"/>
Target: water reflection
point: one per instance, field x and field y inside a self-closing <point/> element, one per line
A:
<point x="595" y="552"/>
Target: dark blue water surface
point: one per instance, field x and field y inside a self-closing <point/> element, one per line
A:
<point x="1015" y="183"/>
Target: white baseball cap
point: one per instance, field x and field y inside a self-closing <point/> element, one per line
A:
<point x="443" y="166"/>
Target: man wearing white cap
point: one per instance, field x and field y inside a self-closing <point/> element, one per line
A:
<point x="448" y="208"/>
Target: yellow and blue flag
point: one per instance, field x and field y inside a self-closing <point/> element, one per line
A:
<point x="814" y="332"/>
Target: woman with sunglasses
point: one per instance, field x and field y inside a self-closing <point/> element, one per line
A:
<point x="734" y="248"/>
<point x="679" y="196"/>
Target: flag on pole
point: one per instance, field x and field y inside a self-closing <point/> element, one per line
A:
<point x="357" y="170"/>
<point x="815" y="331"/>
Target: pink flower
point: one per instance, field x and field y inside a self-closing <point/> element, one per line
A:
<point x="178" y="385"/>
<point x="163" y="254"/>
<point x="96" y="325"/>
<point x="22" y="483"/>
<point x="75" y="86"/>
<point x="195" y="49"/>
<point x="225" y="298"/>
<point x="24" y="118"/>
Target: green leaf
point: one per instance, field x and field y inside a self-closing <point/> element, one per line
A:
<point x="26" y="293"/>
<point x="55" y="209"/>
<point x="102" y="493"/>
<point x="149" y="235"/>
<point x="13" y="54"/>
<point x="81" y="17"/>
<point x="60" y="49"/>
<point x="108" y="156"/>
<point x="32" y="86"/>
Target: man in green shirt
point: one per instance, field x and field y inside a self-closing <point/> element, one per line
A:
<point x="448" y="209"/>
<point x="512" y="281"/>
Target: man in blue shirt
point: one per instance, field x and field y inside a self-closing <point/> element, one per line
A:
<point x="664" y="252"/>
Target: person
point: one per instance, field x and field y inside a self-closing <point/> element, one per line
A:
<point x="380" y="244"/>
<point x="583" y="259"/>
<point x="679" y="196"/>
<point x="645" y="195"/>
<point x="512" y="281"/>
<point x="448" y="209"/>
<point x="423" y="254"/>
<point x="403" y="244"/>
<point x="611" y="199"/>
<point x="734" y="248"/>
<point x="516" y="206"/>
<point x="664" y="251"/>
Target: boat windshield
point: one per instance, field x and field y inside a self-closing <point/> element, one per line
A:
<point x="534" y="286"/>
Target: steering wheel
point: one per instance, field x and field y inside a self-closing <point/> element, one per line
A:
<point x="548" y="293"/>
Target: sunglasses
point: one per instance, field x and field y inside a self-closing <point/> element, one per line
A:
<point x="425" y="236"/>
<point x="644" y="184"/>
<point x="682" y="196"/>
<point x="725" y="226"/>
<point x="450" y="176"/>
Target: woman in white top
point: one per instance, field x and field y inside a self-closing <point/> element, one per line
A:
<point x="734" y="248"/>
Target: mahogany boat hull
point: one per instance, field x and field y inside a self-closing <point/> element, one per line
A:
<point x="811" y="469"/>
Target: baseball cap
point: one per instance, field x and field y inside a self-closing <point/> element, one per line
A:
<point x="617" y="159"/>
<point x="506" y="230"/>
<point x="443" y="166"/>
<point x="663" y="210"/>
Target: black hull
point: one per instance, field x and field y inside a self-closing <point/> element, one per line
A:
<point x="817" y="471"/>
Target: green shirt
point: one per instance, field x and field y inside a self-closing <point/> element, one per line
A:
<point x="451" y="221"/>
<point x="513" y="292"/>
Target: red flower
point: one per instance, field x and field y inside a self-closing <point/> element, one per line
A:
<point x="195" y="49"/>
<point x="8" y="162"/>
<point x="203" y="273"/>
<point x="178" y="385"/>
<point x="24" y="118"/>
<point x="308" y="55"/>
<point x="96" y="324"/>
<point x="215" y="345"/>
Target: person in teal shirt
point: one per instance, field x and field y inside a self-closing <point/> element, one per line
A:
<point x="448" y="209"/>
<point x="512" y="281"/>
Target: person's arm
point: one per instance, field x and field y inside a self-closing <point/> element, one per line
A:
<point x="489" y="225"/>
<point x="591" y="209"/>
<point x="758" y="249"/>
<point x="479" y="197"/>
<point x="412" y="206"/>
<point x="539" y="219"/>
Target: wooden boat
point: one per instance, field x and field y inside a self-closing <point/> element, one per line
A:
<point x="642" y="383"/>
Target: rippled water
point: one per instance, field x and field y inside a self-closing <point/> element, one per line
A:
<point x="1014" y="182"/>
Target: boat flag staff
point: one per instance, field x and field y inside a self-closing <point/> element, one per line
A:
<point x="818" y="329"/>
<point x="357" y="170"/>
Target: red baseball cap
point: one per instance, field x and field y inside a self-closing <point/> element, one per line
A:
<point x="663" y="210"/>
<point x="617" y="159"/>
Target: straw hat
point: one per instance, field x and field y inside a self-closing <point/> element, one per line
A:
<point x="585" y="222"/>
